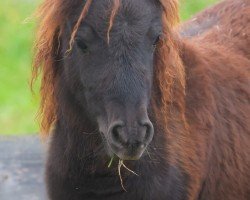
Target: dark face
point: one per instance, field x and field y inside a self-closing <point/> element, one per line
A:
<point x="116" y="78"/>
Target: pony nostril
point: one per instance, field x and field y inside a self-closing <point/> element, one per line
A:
<point x="149" y="131"/>
<point x="117" y="135"/>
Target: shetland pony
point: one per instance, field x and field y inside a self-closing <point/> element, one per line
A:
<point x="137" y="111"/>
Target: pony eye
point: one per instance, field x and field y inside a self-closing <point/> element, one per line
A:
<point x="156" y="40"/>
<point x="82" y="46"/>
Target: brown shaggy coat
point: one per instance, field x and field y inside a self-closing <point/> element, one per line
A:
<point x="216" y="53"/>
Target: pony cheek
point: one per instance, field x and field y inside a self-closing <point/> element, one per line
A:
<point x="93" y="103"/>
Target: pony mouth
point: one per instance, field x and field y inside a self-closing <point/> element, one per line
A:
<point x="130" y="153"/>
<point x="130" y="157"/>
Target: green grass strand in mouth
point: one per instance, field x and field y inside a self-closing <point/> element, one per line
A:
<point x="111" y="161"/>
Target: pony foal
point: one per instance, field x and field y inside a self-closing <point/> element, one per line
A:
<point x="119" y="82"/>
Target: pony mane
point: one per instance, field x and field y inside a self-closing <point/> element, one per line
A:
<point x="169" y="77"/>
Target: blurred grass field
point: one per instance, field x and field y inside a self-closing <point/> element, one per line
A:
<point x="17" y="105"/>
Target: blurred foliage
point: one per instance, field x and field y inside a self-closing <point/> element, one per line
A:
<point x="190" y="7"/>
<point x="17" y="104"/>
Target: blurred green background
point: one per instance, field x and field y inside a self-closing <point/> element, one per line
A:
<point x="18" y="106"/>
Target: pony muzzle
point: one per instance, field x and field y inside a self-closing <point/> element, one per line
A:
<point x="129" y="142"/>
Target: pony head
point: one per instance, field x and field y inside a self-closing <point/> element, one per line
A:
<point x="117" y="62"/>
